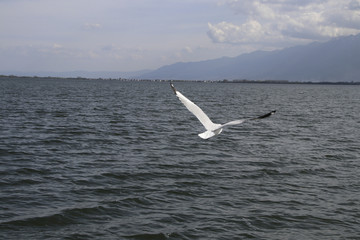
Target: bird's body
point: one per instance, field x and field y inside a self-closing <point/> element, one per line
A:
<point x="212" y="129"/>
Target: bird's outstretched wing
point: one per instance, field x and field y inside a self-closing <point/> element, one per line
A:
<point x="235" y="122"/>
<point x="194" y="109"/>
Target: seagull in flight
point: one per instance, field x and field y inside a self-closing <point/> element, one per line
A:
<point x="212" y="129"/>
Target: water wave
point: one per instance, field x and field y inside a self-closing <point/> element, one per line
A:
<point x="87" y="159"/>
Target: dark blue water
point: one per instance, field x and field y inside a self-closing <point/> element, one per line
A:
<point x="92" y="159"/>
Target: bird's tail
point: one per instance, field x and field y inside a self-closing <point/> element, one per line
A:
<point x="208" y="134"/>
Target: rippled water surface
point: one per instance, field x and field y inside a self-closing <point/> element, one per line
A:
<point x="96" y="159"/>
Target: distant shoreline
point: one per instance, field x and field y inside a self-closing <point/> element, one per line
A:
<point x="161" y="80"/>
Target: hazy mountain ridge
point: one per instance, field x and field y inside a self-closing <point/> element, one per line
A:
<point x="335" y="60"/>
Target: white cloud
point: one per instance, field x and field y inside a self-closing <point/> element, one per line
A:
<point x="91" y="26"/>
<point x="227" y="32"/>
<point x="270" y="21"/>
<point x="57" y="46"/>
<point x="188" y="49"/>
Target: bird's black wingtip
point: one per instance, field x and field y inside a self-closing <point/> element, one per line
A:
<point x="172" y="87"/>
<point x="265" y="115"/>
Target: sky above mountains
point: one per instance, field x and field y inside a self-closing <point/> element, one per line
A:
<point x="129" y="35"/>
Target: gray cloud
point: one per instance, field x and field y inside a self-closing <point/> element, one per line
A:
<point x="294" y="20"/>
<point x="354" y="5"/>
<point x="131" y="35"/>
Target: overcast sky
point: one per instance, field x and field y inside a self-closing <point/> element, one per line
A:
<point x="129" y="35"/>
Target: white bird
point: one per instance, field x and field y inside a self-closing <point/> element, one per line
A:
<point x="212" y="129"/>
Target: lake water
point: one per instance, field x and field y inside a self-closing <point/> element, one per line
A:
<point x="107" y="159"/>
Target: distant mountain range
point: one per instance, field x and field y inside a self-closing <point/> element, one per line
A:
<point x="337" y="60"/>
